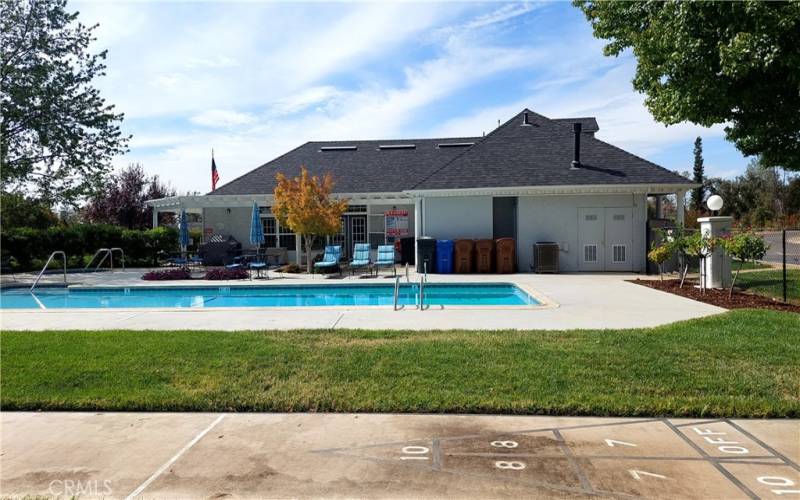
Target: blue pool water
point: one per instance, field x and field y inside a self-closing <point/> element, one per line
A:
<point x="466" y="294"/>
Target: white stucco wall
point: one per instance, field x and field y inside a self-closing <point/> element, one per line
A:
<point x="458" y="217"/>
<point x="539" y="218"/>
<point x="555" y="218"/>
<point x="236" y="223"/>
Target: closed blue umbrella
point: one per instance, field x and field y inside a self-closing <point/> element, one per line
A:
<point x="256" y="229"/>
<point x="183" y="230"/>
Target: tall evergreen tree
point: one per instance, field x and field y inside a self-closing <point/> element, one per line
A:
<point x="698" y="176"/>
<point x="57" y="134"/>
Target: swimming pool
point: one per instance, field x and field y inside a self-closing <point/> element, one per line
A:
<point x="436" y="294"/>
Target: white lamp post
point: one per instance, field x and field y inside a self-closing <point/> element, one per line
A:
<point x="717" y="272"/>
<point x="715" y="203"/>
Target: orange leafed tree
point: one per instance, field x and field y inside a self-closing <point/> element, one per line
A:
<point x="304" y="205"/>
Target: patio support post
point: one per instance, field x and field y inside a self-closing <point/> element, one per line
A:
<point x="417" y="224"/>
<point x="679" y="207"/>
<point x="155" y="217"/>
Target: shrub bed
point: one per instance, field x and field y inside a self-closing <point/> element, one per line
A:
<point x="223" y="273"/>
<point x="30" y="247"/>
<point x="181" y="273"/>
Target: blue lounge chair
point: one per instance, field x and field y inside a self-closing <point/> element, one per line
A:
<point x="360" y="257"/>
<point x="330" y="260"/>
<point x="385" y="258"/>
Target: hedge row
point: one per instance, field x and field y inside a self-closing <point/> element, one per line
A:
<point x="30" y="246"/>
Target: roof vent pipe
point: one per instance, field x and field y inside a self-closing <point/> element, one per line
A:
<point x="525" y="121"/>
<point x="576" y="162"/>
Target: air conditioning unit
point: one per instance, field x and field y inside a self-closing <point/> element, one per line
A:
<point x="545" y="257"/>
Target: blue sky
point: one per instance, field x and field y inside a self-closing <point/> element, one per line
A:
<point x="254" y="80"/>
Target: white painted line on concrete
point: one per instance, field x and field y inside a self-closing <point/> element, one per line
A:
<point x="174" y="458"/>
<point x="338" y="318"/>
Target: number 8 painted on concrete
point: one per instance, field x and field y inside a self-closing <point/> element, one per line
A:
<point x="509" y="465"/>
<point x="504" y="444"/>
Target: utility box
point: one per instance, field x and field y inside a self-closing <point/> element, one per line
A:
<point x="484" y="256"/>
<point x="545" y="257"/>
<point x="426" y="254"/>
<point x="505" y="250"/>
<point x="407" y="250"/>
<point x="464" y="256"/>
<point x="444" y="256"/>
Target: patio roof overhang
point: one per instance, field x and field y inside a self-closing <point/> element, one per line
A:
<point x="556" y="190"/>
<point x="246" y="200"/>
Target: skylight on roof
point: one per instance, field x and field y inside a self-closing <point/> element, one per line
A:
<point x="338" y="148"/>
<point x="454" y="144"/>
<point x="397" y="146"/>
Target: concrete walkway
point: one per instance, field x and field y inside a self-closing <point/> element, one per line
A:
<point x="573" y="301"/>
<point x="162" y="455"/>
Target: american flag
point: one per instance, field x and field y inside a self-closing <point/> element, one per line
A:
<point x="214" y="173"/>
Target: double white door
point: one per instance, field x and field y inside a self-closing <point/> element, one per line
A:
<point x="605" y="239"/>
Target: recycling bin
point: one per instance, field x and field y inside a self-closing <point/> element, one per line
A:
<point x="505" y="252"/>
<point x="426" y="254"/>
<point x="444" y="256"/>
<point x="484" y="256"/>
<point x="464" y="256"/>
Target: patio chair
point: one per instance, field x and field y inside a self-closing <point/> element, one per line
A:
<point x="360" y="258"/>
<point x="330" y="260"/>
<point x="385" y="258"/>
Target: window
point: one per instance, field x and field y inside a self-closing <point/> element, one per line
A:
<point x="619" y="216"/>
<point x="286" y="238"/>
<point x="356" y="209"/>
<point x="618" y="253"/>
<point x="270" y="233"/>
<point x="590" y="253"/>
<point x="591" y="217"/>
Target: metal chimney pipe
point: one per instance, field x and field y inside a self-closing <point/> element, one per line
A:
<point x="525" y="118"/>
<point x="576" y="162"/>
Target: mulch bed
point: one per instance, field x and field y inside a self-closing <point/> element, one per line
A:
<point x="739" y="300"/>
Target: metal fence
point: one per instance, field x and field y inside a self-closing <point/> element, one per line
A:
<point x="784" y="251"/>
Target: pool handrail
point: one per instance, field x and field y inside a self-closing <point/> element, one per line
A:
<point x="64" y="257"/>
<point x="422" y="293"/>
<point x="396" y="291"/>
<point x="107" y="252"/>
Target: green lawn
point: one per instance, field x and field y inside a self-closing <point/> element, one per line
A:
<point x="743" y="363"/>
<point x="770" y="283"/>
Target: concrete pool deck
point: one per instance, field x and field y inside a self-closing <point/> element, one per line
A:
<point x="572" y="301"/>
<point x="301" y="455"/>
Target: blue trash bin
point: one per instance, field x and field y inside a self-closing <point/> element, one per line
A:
<point x="444" y="256"/>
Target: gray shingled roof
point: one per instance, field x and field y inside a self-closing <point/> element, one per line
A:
<point x="511" y="155"/>
<point x="516" y="155"/>
<point x="368" y="169"/>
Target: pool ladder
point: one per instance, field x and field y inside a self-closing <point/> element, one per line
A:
<point x="49" y="259"/>
<point x="422" y="281"/>
<point x="107" y="253"/>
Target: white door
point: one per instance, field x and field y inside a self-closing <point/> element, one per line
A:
<point x="619" y="239"/>
<point x="591" y="233"/>
<point x="605" y="239"/>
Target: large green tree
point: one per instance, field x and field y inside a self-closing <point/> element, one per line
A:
<point x="698" y="176"/>
<point x="57" y="134"/>
<point x="714" y="62"/>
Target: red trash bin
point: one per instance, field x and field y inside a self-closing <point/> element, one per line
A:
<point x="464" y="256"/>
<point x="484" y="256"/>
<point x="506" y="249"/>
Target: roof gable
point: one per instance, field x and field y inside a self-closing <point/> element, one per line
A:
<point x="540" y="153"/>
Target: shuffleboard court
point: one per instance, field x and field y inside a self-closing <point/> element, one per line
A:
<point x="131" y="455"/>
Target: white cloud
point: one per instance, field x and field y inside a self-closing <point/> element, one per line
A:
<point x="222" y="118"/>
